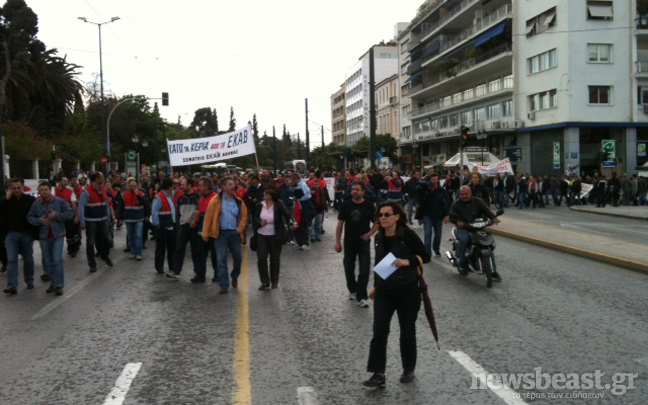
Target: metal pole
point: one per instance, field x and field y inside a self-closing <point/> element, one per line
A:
<point x="103" y="107"/>
<point x="307" y="134"/>
<point x="372" y="109"/>
<point x="274" y="149"/>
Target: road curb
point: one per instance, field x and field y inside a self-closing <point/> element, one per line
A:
<point x="609" y="215"/>
<point x="588" y="254"/>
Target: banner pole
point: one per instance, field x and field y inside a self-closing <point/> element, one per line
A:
<point x="257" y="162"/>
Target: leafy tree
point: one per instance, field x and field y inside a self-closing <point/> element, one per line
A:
<point x="255" y="128"/>
<point x="232" y="123"/>
<point x="384" y="142"/>
<point x="205" y="122"/>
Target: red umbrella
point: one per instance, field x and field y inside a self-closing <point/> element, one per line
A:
<point x="427" y="304"/>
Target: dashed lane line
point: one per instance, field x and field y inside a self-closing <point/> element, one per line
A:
<point x="306" y="396"/>
<point x="122" y="385"/>
<point x="70" y="293"/>
<point x="508" y="395"/>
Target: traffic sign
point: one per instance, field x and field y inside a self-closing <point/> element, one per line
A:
<point x="131" y="155"/>
<point x="104" y="160"/>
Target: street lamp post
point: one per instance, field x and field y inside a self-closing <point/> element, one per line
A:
<point x="103" y="105"/>
<point x="482" y="136"/>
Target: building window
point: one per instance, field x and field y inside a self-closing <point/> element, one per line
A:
<point x="600" y="95"/>
<point x="642" y="95"/>
<point x="466" y="117"/>
<point x="599" y="10"/>
<point x="543" y="100"/>
<point x="480" y="114"/>
<point x="493" y="111"/>
<point x="480" y="90"/>
<point x="541" y="22"/>
<point x="544" y="61"/>
<point x="454" y="120"/>
<point x="599" y="53"/>
<point x="507" y="108"/>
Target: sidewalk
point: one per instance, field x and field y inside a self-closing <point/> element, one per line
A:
<point x="625" y="211"/>
<point x="601" y="248"/>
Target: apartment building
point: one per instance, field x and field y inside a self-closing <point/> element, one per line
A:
<point x="386" y="100"/>
<point x="357" y="97"/>
<point x="338" y="116"/>
<point x="549" y="82"/>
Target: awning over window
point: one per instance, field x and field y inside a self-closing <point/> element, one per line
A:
<point x="490" y="34"/>
<point x="604" y="11"/>
<point x="530" y="28"/>
<point x="550" y="19"/>
<point x="412" y="78"/>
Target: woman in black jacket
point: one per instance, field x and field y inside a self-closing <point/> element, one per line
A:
<point x="398" y="293"/>
<point x="268" y="225"/>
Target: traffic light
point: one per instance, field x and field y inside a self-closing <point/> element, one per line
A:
<point x="165" y="99"/>
<point x="464" y="136"/>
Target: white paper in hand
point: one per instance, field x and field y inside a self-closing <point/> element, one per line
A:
<point x="385" y="268"/>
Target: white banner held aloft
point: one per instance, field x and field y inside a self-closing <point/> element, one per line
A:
<point x="212" y="149"/>
<point x="501" y="167"/>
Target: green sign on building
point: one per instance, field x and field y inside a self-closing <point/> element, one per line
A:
<point x="556" y="155"/>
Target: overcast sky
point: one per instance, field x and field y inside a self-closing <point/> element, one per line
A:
<point x="262" y="57"/>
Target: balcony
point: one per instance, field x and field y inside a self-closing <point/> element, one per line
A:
<point x="422" y="36"/>
<point x="641" y="68"/>
<point x="642" y="23"/>
<point x="505" y="84"/>
<point x="489" y="20"/>
<point x="488" y="64"/>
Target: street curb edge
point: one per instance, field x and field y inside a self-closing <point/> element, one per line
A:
<point x="587" y="254"/>
<point x="608" y="214"/>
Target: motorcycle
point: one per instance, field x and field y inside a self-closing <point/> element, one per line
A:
<point x="479" y="253"/>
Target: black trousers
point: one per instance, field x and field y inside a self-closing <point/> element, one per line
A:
<point x="185" y="236"/>
<point x="268" y="246"/>
<point x="406" y="302"/>
<point x="3" y="249"/>
<point x="73" y="236"/>
<point x="361" y="250"/>
<point x="165" y="242"/>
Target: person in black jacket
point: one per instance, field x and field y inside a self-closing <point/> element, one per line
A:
<point x="268" y="224"/>
<point x="411" y="191"/>
<point x="463" y="212"/>
<point x="434" y="205"/>
<point x="398" y="293"/>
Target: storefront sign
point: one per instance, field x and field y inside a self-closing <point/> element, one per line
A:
<point x="556" y="155"/>
<point x="641" y="149"/>
<point x="514" y="155"/>
<point x="609" y="146"/>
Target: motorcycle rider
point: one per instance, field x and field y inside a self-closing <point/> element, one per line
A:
<point x="463" y="212"/>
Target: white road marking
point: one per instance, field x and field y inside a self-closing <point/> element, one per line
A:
<point x="70" y="293"/>
<point x="123" y="383"/>
<point x="306" y="396"/>
<point x="505" y="393"/>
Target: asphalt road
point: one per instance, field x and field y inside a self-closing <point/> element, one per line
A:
<point x="305" y="343"/>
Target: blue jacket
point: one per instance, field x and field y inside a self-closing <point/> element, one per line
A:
<point x="39" y="210"/>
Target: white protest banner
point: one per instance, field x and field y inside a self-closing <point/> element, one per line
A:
<point x="212" y="149"/>
<point x="585" y="189"/>
<point x="501" y="167"/>
<point x="330" y="187"/>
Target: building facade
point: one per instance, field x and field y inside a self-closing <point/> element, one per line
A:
<point x="338" y="116"/>
<point x="386" y="100"/>
<point x="550" y="82"/>
<point x="357" y="97"/>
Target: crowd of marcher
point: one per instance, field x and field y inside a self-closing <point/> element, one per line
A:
<point x="212" y="212"/>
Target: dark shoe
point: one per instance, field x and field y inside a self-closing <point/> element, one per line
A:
<point x="234" y="282"/>
<point x="93" y="269"/>
<point x="318" y="239"/>
<point x="197" y="280"/>
<point x="30" y="286"/>
<point x="45" y="277"/>
<point x="223" y="290"/>
<point x="375" y="381"/>
<point x="108" y="261"/>
<point x="407" y="377"/>
<point x="437" y="253"/>
<point x="263" y="287"/>
<point x="58" y="291"/>
<point x="312" y="240"/>
<point x="275" y="286"/>
<point x="50" y="289"/>
<point x="73" y="254"/>
<point x="323" y="231"/>
<point x="160" y="271"/>
<point x="496" y="277"/>
<point x="10" y="291"/>
<point x="215" y="279"/>
<point x="126" y="250"/>
<point x="172" y="275"/>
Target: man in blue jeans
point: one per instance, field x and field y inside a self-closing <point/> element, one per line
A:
<point x="49" y="214"/>
<point x="14" y="209"/>
<point x="434" y="205"/>
<point x="225" y="222"/>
